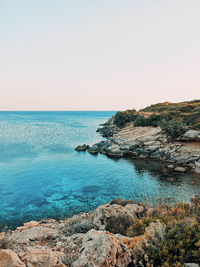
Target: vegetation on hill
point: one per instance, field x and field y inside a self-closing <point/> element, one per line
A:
<point x="173" y="118"/>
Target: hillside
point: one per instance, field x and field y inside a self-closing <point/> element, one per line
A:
<point x="179" y="117"/>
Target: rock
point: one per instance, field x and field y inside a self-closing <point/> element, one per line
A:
<point x="97" y="219"/>
<point x="180" y="169"/>
<point x="100" y="215"/>
<point x="124" y="148"/>
<point x="41" y="257"/>
<point x="170" y="167"/>
<point x="98" y="248"/>
<point x="28" y="225"/>
<point x="82" y="148"/>
<point x="108" y="129"/>
<point x="114" y="151"/>
<point x="195" y="199"/>
<point x="191" y="265"/>
<point x="191" y="135"/>
<point x="93" y="149"/>
<point x="35" y="233"/>
<point x="8" y="258"/>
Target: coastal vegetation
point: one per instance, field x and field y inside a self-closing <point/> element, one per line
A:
<point x="173" y="118"/>
<point x="179" y="238"/>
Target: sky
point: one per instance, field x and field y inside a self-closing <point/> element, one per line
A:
<point x="98" y="55"/>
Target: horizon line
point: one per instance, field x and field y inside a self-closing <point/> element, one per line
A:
<point x="52" y="110"/>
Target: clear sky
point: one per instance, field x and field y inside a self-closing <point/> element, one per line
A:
<point x="98" y="54"/>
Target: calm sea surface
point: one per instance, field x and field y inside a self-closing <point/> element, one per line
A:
<point x="42" y="176"/>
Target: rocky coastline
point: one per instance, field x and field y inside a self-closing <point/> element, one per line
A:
<point x="181" y="155"/>
<point x="118" y="233"/>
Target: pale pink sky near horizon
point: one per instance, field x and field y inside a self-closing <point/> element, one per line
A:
<point x="98" y="55"/>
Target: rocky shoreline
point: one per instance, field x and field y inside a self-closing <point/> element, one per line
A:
<point x="148" y="142"/>
<point x="81" y="240"/>
<point x="108" y="236"/>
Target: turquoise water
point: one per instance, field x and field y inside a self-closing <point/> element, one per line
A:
<point x="42" y="176"/>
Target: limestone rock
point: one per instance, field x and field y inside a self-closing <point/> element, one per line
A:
<point x="35" y="233"/>
<point x="180" y="169"/>
<point x="191" y="265"/>
<point x="114" y="151"/>
<point x="28" y="225"/>
<point x="99" y="248"/>
<point x="8" y="258"/>
<point x="100" y="215"/>
<point x="41" y="257"/>
<point x="191" y="135"/>
<point x="170" y="166"/>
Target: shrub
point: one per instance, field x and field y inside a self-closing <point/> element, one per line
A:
<point x="121" y="202"/>
<point x="179" y="245"/>
<point x="173" y="128"/>
<point x="121" y="118"/>
<point x="139" y="226"/>
<point x="74" y="226"/>
<point x="118" y="224"/>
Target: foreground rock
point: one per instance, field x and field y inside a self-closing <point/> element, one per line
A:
<point x="120" y="233"/>
<point x="8" y="258"/>
<point x="97" y="248"/>
<point x="80" y="241"/>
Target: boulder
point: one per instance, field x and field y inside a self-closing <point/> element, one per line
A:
<point x="97" y="248"/>
<point x="93" y="149"/>
<point x="41" y="257"/>
<point x="8" y="258"/>
<point x="82" y="147"/>
<point x="180" y="169"/>
<point x="191" y="265"/>
<point x="114" y="151"/>
<point x="28" y="225"/>
<point x="97" y="219"/>
<point x="34" y="233"/>
<point x="171" y="167"/>
<point x="100" y="215"/>
<point x="191" y="135"/>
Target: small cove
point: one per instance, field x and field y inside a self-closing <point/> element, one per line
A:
<point x="42" y="176"/>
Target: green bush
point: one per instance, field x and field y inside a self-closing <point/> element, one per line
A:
<point x="118" y="224"/>
<point x="139" y="226"/>
<point x="120" y="119"/>
<point x="121" y="202"/>
<point x="180" y="245"/>
<point x="173" y="128"/>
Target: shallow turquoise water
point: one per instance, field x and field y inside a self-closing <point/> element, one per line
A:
<point x="42" y="176"/>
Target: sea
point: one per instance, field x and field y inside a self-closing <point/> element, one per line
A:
<point x="42" y="176"/>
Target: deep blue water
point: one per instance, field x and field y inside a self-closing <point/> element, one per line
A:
<point x="42" y="176"/>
